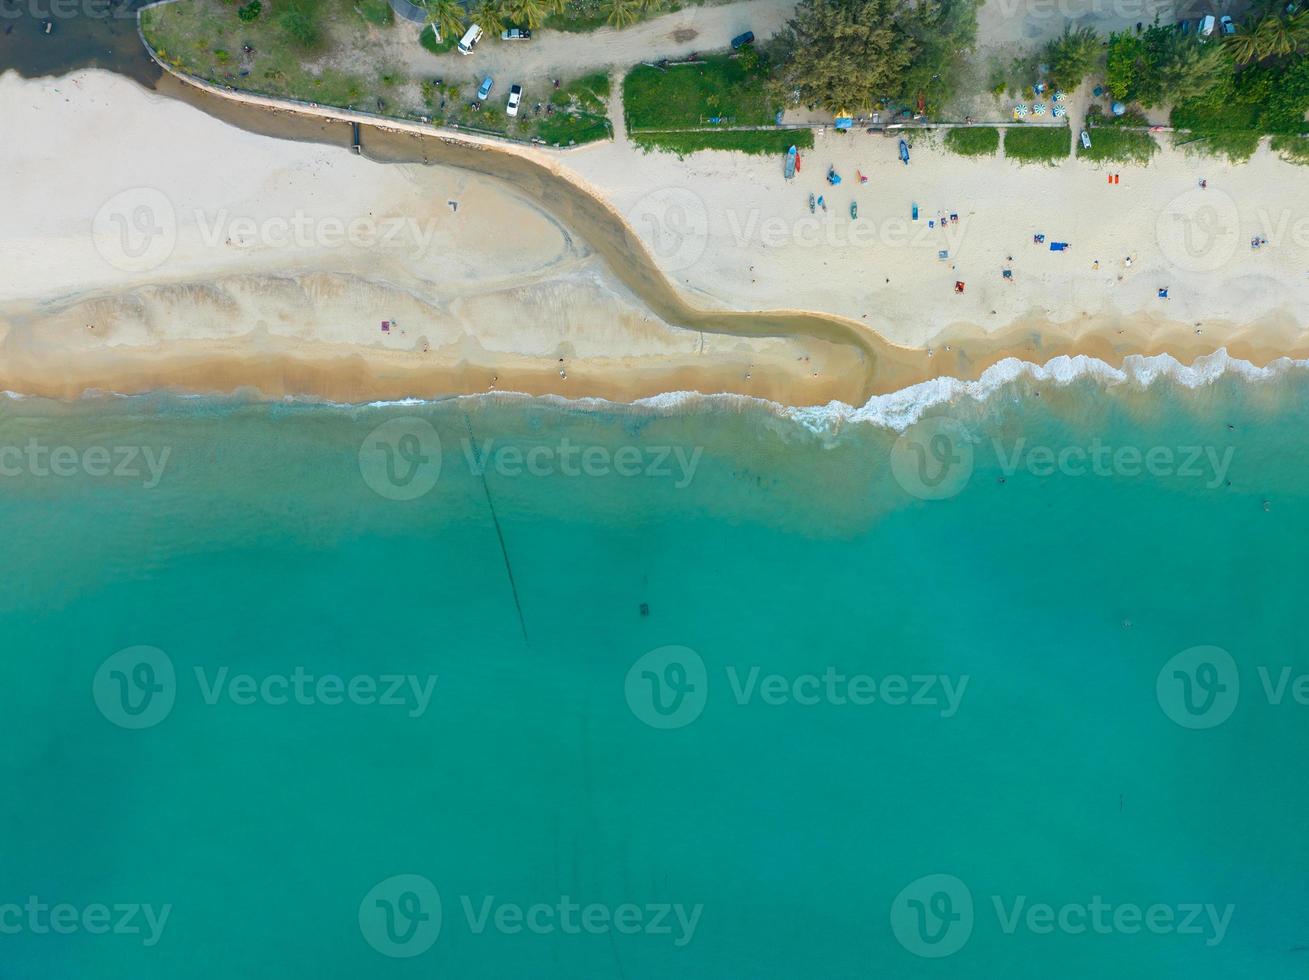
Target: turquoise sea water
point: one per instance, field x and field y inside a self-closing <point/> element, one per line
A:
<point x="785" y="704"/>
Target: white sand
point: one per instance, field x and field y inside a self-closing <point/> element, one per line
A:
<point x="1196" y="243"/>
<point x="273" y="251"/>
<point x="141" y="224"/>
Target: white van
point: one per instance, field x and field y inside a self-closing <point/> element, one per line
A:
<point x="470" y="39"/>
<point x="1207" y="25"/>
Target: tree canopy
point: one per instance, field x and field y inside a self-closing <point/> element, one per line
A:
<point x="841" y="55"/>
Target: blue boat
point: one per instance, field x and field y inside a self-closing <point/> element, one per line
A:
<point x="904" y="152"/>
<point x="915" y="210"/>
<point x="791" y="154"/>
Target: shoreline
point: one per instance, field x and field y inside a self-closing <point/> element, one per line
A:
<point x="762" y="355"/>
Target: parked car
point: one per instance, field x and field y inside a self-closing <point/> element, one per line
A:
<point x="1184" y="27"/>
<point x="741" y="40"/>
<point x="1206" y="26"/>
<point x="1227" y="25"/>
<point x="515" y="97"/>
<point x="516" y="34"/>
<point x="484" y="89"/>
<point x="470" y="39"/>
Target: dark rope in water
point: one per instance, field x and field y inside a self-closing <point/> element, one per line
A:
<point x="499" y="533"/>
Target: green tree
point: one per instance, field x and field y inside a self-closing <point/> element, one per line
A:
<point x="622" y="13"/>
<point x="490" y="15"/>
<point x="447" y="15"/>
<point x="842" y="54"/>
<point x="943" y="33"/>
<point x="528" y="13"/>
<point x="1244" y="45"/>
<point x="1072" y="55"/>
<point x="299" y="20"/>
<point x="1299" y="28"/>
<point x="1273" y="37"/>
<point x="1193" y="70"/>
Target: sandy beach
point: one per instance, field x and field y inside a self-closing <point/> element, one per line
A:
<point x="196" y="255"/>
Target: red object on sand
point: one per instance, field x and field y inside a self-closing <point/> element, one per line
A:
<point x="958" y="286"/>
<point x="386" y="326"/>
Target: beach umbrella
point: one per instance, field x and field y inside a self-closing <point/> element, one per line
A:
<point x="1020" y="110"/>
<point x="1058" y="111"/>
<point x="1038" y="108"/>
<point x="1059" y="96"/>
<point x="1118" y="108"/>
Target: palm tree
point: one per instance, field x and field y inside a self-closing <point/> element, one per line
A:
<point x="1298" y="25"/>
<point x="622" y="13"/>
<point x="490" y="14"/>
<point x="1245" y="45"/>
<point x="529" y="13"/>
<point x="1274" y="37"/>
<point x="446" y="15"/>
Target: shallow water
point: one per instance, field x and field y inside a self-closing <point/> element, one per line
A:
<point x="889" y="662"/>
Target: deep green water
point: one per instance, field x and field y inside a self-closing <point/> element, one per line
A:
<point x="733" y="779"/>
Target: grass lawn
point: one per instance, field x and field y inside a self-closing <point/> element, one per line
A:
<point x="588" y="93"/>
<point x="981" y="141"/>
<point x="759" y="142"/>
<point x="289" y="50"/>
<point x="723" y="87"/>
<point x="1039" y="144"/>
<point x="1118" y="146"/>
<point x="429" y="42"/>
<point x="206" y="38"/>
<point x="1231" y="129"/>
<point x="377" y="12"/>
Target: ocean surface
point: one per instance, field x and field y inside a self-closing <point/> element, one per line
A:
<point x="696" y="688"/>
